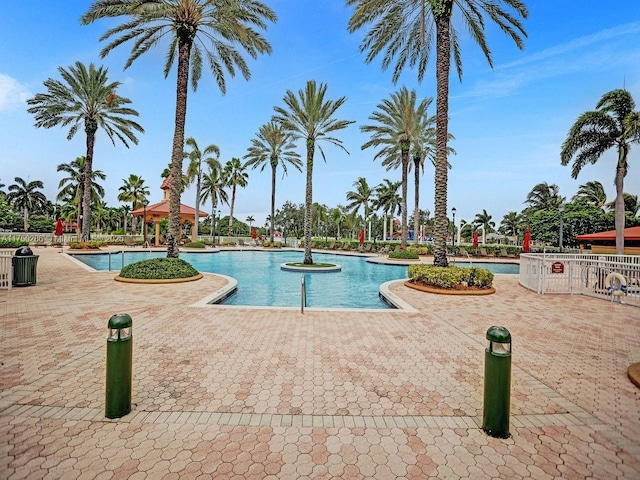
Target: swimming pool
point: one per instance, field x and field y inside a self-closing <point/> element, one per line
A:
<point x="261" y="282"/>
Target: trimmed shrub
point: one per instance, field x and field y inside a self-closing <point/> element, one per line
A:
<point x="12" y="243"/>
<point x="450" y="277"/>
<point x="159" y="269"/>
<point x="408" y="254"/>
<point x="194" y="245"/>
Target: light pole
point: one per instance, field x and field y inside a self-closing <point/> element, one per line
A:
<point x="145" y="202"/>
<point x="561" y="210"/>
<point x="453" y="237"/>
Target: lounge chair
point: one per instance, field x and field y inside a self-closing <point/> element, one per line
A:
<point x="504" y="254"/>
<point x="463" y="252"/>
<point x="241" y="243"/>
<point x="485" y="253"/>
<point x="367" y="247"/>
<point x="128" y="242"/>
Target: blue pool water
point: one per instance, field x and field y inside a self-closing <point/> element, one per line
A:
<point x="261" y="282"/>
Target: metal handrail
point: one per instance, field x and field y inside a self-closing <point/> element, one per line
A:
<point x="303" y="295"/>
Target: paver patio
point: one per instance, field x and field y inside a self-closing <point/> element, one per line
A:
<point x="230" y="392"/>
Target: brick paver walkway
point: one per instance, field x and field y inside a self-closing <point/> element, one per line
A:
<point x="228" y="392"/>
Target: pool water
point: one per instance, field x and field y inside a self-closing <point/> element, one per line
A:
<point x="261" y="282"/>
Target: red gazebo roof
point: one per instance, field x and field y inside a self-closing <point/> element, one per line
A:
<point x="631" y="233"/>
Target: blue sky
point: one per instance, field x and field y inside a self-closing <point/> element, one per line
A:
<point x="509" y="122"/>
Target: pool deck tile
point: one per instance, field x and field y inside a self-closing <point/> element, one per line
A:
<point x="222" y="392"/>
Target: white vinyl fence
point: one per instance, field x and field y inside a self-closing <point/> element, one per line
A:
<point x="581" y="274"/>
<point x="6" y="270"/>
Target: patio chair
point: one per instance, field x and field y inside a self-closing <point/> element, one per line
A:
<point x="128" y="242"/>
<point x="485" y="253"/>
<point x="241" y="243"/>
<point x="504" y="254"/>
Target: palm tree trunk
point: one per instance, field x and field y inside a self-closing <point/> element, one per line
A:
<point x="182" y="88"/>
<point x="416" y="213"/>
<point x="196" y="223"/>
<point x="619" y="208"/>
<point x="134" y="220"/>
<point x="273" y="199"/>
<point x="405" y="168"/>
<point x="233" y="201"/>
<point x="308" y="259"/>
<point x="443" y="63"/>
<point x="90" y="129"/>
<point x="384" y="227"/>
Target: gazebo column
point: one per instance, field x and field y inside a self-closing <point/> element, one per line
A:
<point x="157" y="233"/>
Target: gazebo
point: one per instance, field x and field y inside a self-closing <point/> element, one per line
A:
<point x="605" y="242"/>
<point x="159" y="211"/>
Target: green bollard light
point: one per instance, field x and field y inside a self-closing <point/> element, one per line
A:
<point x="497" y="383"/>
<point x="119" y="366"/>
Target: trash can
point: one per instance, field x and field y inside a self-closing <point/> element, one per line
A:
<point x="24" y="264"/>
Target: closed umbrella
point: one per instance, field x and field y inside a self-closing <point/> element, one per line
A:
<point x="526" y="241"/>
<point x="475" y="239"/>
<point x="58" y="231"/>
<point x="361" y="236"/>
<point x="254" y="234"/>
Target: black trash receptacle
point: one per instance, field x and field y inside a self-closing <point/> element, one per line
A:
<point x="24" y="267"/>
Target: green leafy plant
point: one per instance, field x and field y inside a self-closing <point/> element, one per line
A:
<point x="90" y="245"/>
<point x="12" y="243"/>
<point x="451" y="276"/>
<point x="408" y="254"/>
<point x="159" y="269"/>
<point x="194" y="245"/>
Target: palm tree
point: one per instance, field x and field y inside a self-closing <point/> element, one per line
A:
<point x="213" y="187"/>
<point x="631" y="204"/>
<point x="361" y="196"/>
<point x="72" y="186"/>
<point x="593" y="193"/>
<point x="221" y="28"/>
<point x="389" y="201"/>
<point x="133" y="190"/>
<point x="273" y="146"/>
<point x="25" y="196"/>
<point x="235" y="176"/>
<point x="544" y="197"/>
<point x="614" y="124"/>
<point x="194" y="170"/>
<point x="85" y="99"/>
<point x="311" y="118"/>
<point x="250" y="221"/>
<point x="485" y="221"/>
<point x="336" y="217"/>
<point x="510" y="223"/>
<point x="397" y="126"/>
<point x="404" y="30"/>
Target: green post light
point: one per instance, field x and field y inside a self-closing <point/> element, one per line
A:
<point x="119" y="366"/>
<point x="497" y="383"/>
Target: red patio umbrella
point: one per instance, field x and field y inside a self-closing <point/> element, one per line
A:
<point x="475" y="239"/>
<point x="361" y="236"/>
<point x="58" y="231"/>
<point x="526" y="241"/>
<point x="254" y="234"/>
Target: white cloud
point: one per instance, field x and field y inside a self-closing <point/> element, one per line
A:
<point x="12" y="93"/>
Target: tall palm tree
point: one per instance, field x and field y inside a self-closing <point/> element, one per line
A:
<point x="485" y="221"/>
<point x="194" y="170"/>
<point x="361" y="196"/>
<point x="336" y="217"/>
<point x="631" y="204"/>
<point x="213" y="187"/>
<point x="544" y="197"/>
<point x="405" y="31"/>
<point x="72" y="186"/>
<point x="614" y="124"/>
<point x="389" y="201"/>
<point x="397" y="126"/>
<point x="86" y="99"/>
<point x="134" y="191"/>
<point x="235" y="176"/>
<point x="510" y="223"/>
<point x="273" y="146"/>
<point x="25" y="196"/>
<point x="310" y="117"/>
<point x="593" y="193"/>
<point x="220" y="28"/>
